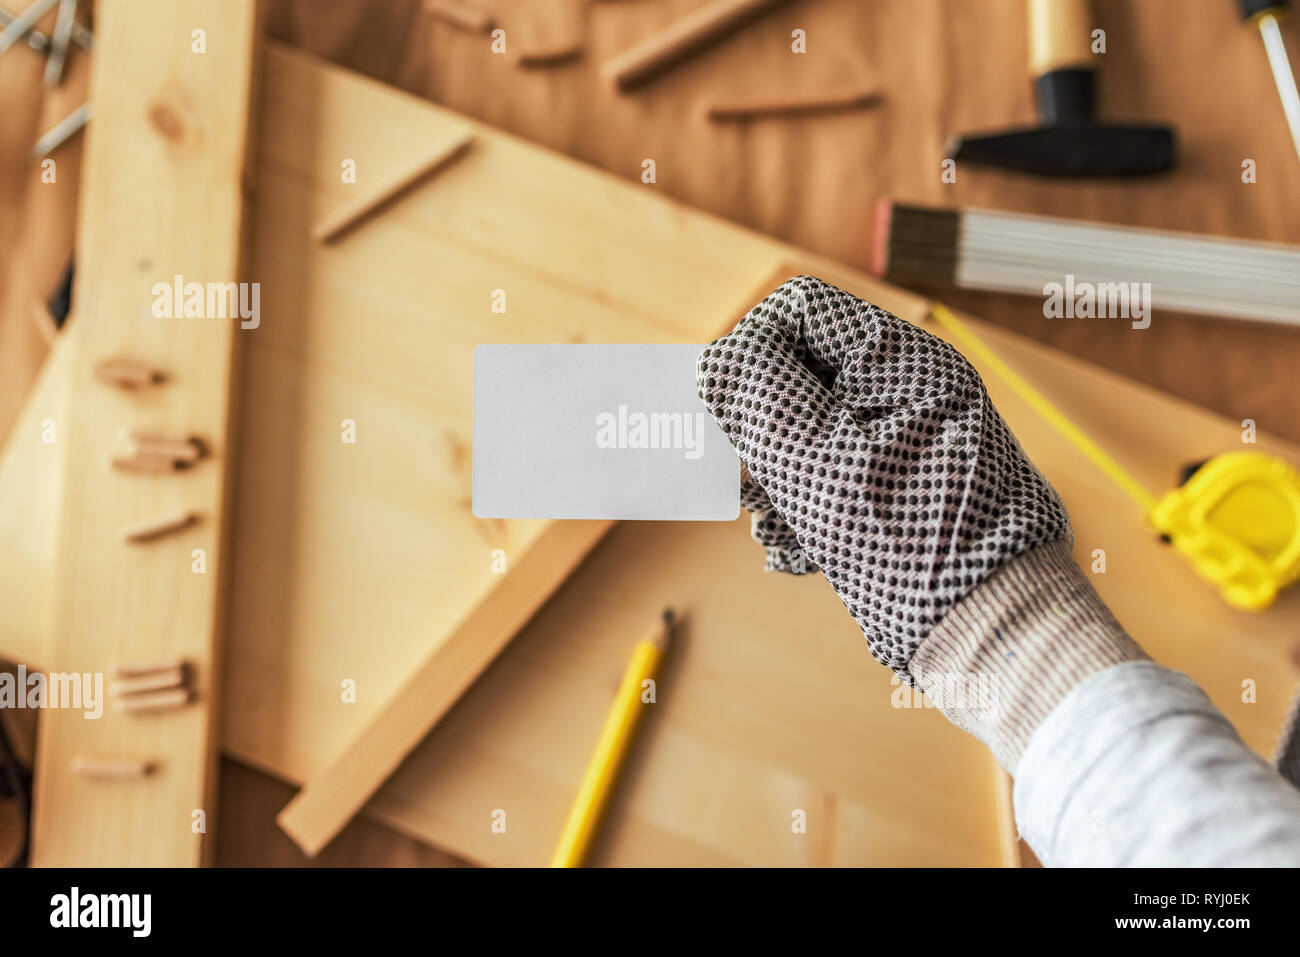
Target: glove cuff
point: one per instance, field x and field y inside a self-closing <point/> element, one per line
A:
<point x="1010" y="650"/>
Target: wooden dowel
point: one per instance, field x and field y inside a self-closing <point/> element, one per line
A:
<point x="98" y="766"/>
<point x="132" y="669"/>
<point x="155" y="700"/>
<point x="127" y="373"/>
<point x="157" y="681"/>
<point x="158" y="527"/>
<point x="345" y="217"/>
<point x="174" y="444"/>
<point x="550" y="56"/>
<point x="141" y="461"/>
<point x="687" y="36"/>
<point x="462" y="15"/>
<point x="794" y="105"/>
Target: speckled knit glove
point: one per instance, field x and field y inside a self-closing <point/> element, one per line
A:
<point x="875" y="452"/>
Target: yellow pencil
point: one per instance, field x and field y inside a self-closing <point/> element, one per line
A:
<point x="615" y="740"/>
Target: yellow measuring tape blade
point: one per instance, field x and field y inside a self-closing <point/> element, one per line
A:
<point x="975" y="347"/>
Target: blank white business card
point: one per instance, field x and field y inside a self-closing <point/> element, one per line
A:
<point x="598" y="432"/>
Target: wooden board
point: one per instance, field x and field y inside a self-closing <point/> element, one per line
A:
<point x="173" y="117"/>
<point x="345" y="554"/>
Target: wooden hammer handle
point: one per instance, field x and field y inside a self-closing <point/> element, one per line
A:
<point x="1060" y="35"/>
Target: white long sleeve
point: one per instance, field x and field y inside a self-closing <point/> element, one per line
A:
<point x="1135" y="767"/>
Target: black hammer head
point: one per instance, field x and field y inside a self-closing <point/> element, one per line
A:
<point x="1070" y="149"/>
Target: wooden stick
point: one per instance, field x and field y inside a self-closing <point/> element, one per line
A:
<point x="155" y="700"/>
<point x="472" y="19"/>
<point x="158" y="527"/>
<point x="550" y="56"/>
<point x="143" y="461"/>
<point x="157" y="681"/>
<point x="98" y="766"/>
<point x="687" y="36"/>
<point x="185" y="448"/>
<point x="441" y="154"/>
<point x="133" y="669"/>
<point x="794" y="105"/>
<point x="126" y="373"/>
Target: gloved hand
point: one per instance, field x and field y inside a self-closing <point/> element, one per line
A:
<point x="874" y="454"/>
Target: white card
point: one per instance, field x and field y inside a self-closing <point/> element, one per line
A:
<point x="598" y="432"/>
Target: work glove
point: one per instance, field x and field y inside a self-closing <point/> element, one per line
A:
<point x="874" y="454"/>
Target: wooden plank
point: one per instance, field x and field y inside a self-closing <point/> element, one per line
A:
<point x="177" y="118"/>
<point x="349" y="558"/>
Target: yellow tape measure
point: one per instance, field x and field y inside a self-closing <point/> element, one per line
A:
<point x="1236" y="519"/>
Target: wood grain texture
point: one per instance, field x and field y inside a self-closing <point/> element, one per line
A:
<point x="31" y="488"/>
<point x="372" y="201"/>
<point x="687" y="37"/>
<point x="516" y="741"/>
<point x="774" y="705"/>
<point x="1060" y="35"/>
<point x="249" y="836"/>
<point x="328" y="801"/>
<point x="815" y="185"/>
<point x="945" y="66"/>
<point x="113" y="601"/>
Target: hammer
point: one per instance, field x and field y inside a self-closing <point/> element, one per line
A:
<point x="1070" y="141"/>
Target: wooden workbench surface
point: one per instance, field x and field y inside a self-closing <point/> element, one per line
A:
<point x="944" y="67"/>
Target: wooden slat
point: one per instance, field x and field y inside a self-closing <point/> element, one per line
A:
<point x="163" y="196"/>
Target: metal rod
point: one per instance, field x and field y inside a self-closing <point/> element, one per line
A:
<point x="23" y="22"/>
<point x="61" y="131"/>
<point x="37" y="40"/>
<point x="59" y="42"/>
